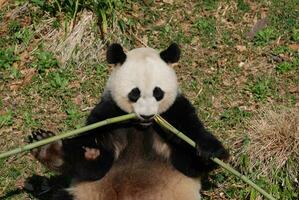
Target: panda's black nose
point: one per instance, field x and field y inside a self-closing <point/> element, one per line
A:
<point x="147" y="117"/>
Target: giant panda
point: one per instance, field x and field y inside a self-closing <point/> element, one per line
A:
<point x="136" y="160"/>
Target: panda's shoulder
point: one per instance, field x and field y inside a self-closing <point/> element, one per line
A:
<point x="106" y="108"/>
<point x="181" y="105"/>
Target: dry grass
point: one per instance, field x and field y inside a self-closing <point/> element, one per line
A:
<point x="274" y="140"/>
<point x="80" y="44"/>
<point x="73" y="41"/>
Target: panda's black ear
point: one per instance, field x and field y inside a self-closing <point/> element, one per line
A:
<point x="171" y="54"/>
<point x="115" y="54"/>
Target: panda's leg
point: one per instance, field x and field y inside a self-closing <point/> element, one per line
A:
<point x="50" y="155"/>
<point x="62" y="195"/>
<point x="77" y="157"/>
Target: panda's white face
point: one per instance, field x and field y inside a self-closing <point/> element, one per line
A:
<point x="143" y="84"/>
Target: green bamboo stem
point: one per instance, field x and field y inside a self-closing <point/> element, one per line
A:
<point x="67" y="134"/>
<point x="162" y="122"/>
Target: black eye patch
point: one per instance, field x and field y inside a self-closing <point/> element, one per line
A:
<point x="158" y="93"/>
<point x="134" y="94"/>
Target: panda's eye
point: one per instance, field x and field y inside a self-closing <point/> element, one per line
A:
<point x="158" y="93"/>
<point x="134" y="94"/>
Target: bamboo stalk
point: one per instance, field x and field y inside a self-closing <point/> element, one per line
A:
<point x="67" y="134"/>
<point x="162" y="122"/>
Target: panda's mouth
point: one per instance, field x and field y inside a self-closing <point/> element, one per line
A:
<point x="146" y="123"/>
<point x="146" y="120"/>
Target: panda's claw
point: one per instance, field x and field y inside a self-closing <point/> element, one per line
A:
<point x="48" y="134"/>
<point x="39" y="134"/>
<point x="30" y="139"/>
<point x="33" y="137"/>
<point x="43" y="135"/>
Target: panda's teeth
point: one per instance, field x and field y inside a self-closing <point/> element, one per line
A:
<point x="145" y="123"/>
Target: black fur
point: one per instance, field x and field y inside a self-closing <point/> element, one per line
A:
<point x="158" y="93"/>
<point x="134" y="94"/>
<point x="171" y="54"/>
<point x="185" y="158"/>
<point x="116" y="54"/>
<point x="192" y="162"/>
<point x="75" y="163"/>
<point x="43" y="188"/>
<point x="62" y="195"/>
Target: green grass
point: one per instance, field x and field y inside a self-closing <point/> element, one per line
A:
<point x="227" y="86"/>
<point x="295" y="35"/>
<point x="265" y="36"/>
<point x="7" y="58"/>
<point x="234" y="116"/>
<point x="243" y="6"/>
<point x="287" y="66"/>
<point x="207" y="29"/>
<point x="284" y="15"/>
<point x="44" y="60"/>
<point x="263" y="87"/>
<point x="6" y="119"/>
<point x="24" y="36"/>
<point x="14" y="26"/>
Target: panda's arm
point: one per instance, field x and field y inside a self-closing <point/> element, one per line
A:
<point x="74" y="149"/>
<point x="185" y="158"/>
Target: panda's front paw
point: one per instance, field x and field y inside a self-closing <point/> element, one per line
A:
<point x="211" y="149"/>
<point x="36" y="136"/>
<point x="51" y="154"/>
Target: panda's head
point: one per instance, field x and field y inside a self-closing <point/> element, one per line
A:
<point x="143" y="80"/>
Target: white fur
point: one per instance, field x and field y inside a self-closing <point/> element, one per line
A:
<point x="161" y="147"/>
<point x="144" y="69"/>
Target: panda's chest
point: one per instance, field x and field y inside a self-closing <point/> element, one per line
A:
<point x="142" y="145"/>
